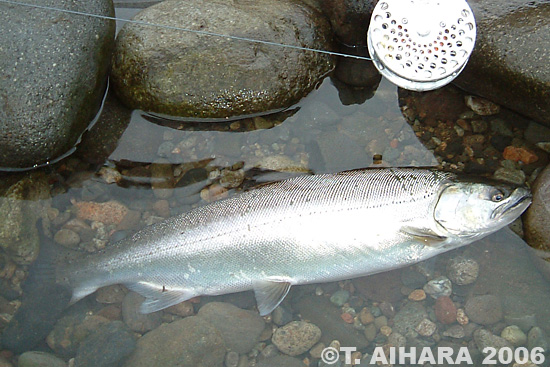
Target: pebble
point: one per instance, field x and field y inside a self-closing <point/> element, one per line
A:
<point x="501" y="127"/>
<point x="340" y="297"/>
<point x="512" y="175"/>
<point x="397" y="340"/>
<point x="484" y="309"/>
<point x="514" y="335"/>
<point x="296" y="337"/>
<point x="417" y="295"/>
<point x="347" y="317"/>
<point x="481" y="106"/>
<point x="426" y="327"/>
<point x="110" y="212"/>
<point x="536" y="338"/>
<point x="162" y="208"/>
<point x="281" y="316"/>
<point x="67" y="238"/>
<point x="365" y="316"/>
<point x="484" y="338"/>
<point x="239" y="328"/>
<point x="110" y="175"/>
<point x="317" y="350"/>
<point x="232" y="359"/>
<point x="162" y="179"/>
<point x="519" y="154"/>
<point x="136" y="320"/>
<point x="461" y="317"/>
<point x="455" y="331"/>
<point x="40" y="359"/>
<point x="380" y="321"/>
<point x="182" y="309"/>
<point x="110" y="294"/>
<point x="440" y="286"/>
<point x="479" y="126"/>
<point x="462" y="270"/>
<point x="385" y="330"/>
<point x="370" y="332"/>
<point x="525" y="322"/>
<point x="408" y="317"/>
<point x="445" y="310"/>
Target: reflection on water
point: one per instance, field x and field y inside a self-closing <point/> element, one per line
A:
<point x="133" y="170"/>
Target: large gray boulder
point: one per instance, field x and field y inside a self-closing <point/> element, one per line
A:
<point x="509" y="64"/>
<point x="53" y="69"/>
<point x="186" y="74"/>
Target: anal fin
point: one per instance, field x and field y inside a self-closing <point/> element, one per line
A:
<point x="270" y="293"/>
<point x="158" y="296"/>
<point x="426" y="236"/>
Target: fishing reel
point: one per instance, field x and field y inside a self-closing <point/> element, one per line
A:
<point x="421" y="44"/>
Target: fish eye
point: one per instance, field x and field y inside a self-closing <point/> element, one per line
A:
<point x="497" y="196"/>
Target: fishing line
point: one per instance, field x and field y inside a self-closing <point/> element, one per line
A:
<point x="204" y="33"/>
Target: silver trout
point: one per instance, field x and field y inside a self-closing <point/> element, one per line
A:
<point x="308" y="229"/>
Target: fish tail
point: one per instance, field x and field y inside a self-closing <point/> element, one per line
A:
<point x="43" y="301"/>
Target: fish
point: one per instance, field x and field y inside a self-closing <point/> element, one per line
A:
<point x="303" y="230"/>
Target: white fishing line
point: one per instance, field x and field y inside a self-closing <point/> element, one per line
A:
<point x="204" y="33"/>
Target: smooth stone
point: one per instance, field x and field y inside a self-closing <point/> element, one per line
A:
<point x="296" y="337"/>
<point x="201" y="76"/>
<point x="440" y="286"/>
<point x="189" y="342"/>
<point x="484" y="310"/>
<point x="53" y="73"/>
<point x="136" y="320"/>
<point x="484" y="338"/>
<point x="108" y="346"/>
<point x="524" y="321"/>
<point x="340" y="297"/>
<point x="514" y="335"/>
<point x="70" y="331"/>
<point x="508" y="64"/>
<point x="536" y="338"/>
<point x="281" y="316"/>
<point x="462" y="271"/>
<point x="280" y="361"/>
<point x="408" y="317"/>
<point x="321" y="312"/>
<point x="239" y="328"/>
<point x="40" y="359"/>
<point x="537" y="217"/>
<point x="67" y="238"/>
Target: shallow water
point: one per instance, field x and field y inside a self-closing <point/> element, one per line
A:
<point x="157" y="168"/>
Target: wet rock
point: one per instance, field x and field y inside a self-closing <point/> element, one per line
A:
<point x="380" y="287"/>
<point x="484" y="338"/>
<point x="321" y="312"/>
<point x="536" y="338"/>
<point x="412" y="279"/>
<point x="507" y="65"/>
<point x="462" y="271"/>
<point x="67" y="238"/>
<point x="189" y="342"/>
<point x="162" y="179"/>
<point x="407" y="319"/>
<point x="484" y="310"/>
<point x="136" y="320"/>
<point x="338" y="150"/>
<point x="417" y="295"/>
<point x="512" y="175"/>
<point x="426" y="327"/>
<point x="445" y="310"/>
<point x="226" y="79"/>
<point x="524" y="321"/>
<point x="53" y="72"/>
<point x="239" y="328"/>
<point x="108" y="346"/>
<point x="519" y="154"/>
<point x="296" y="337"/>
<point x="280" y="361"/>
<point x="481" y="106"/>
<point x="349" y="19"/>
<point x="110" y="212"/>
<point x="70" y="331"/>
<point x="281" y="316"/>
<point x="514" y="335"/>
<point x="455" y="331"/>
<point x="22" y="204"/>
<point x="340" y="297"/>
<point x="182" y="309"/>
<point x="537" y="217"/>
<point x="111" y="294"/>
<point x="40" y="359"/>
<point x="440" y="286"/>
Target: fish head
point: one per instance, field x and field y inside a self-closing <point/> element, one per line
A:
<point x="475" y="209"/>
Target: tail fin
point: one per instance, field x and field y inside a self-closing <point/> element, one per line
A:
<point x="43" y="301"/>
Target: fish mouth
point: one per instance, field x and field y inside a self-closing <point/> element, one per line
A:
<point x="518" y="205"/>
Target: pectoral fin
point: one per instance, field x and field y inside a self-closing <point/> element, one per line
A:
<point x="159" y="297"/>
<point x="426" y="236"/>
<point x="270" y="293"/>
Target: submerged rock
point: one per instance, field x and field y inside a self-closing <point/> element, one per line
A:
<point x="509" y="62"/>
<point x="53" y="70"/>
<point x="190" y="342"/>
<point x="21" y="205"/>
<point x="537" y="217"/>
<point x="188" y="74"/>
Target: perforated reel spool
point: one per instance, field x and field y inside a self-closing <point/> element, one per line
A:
<point x="421" y="44"/>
